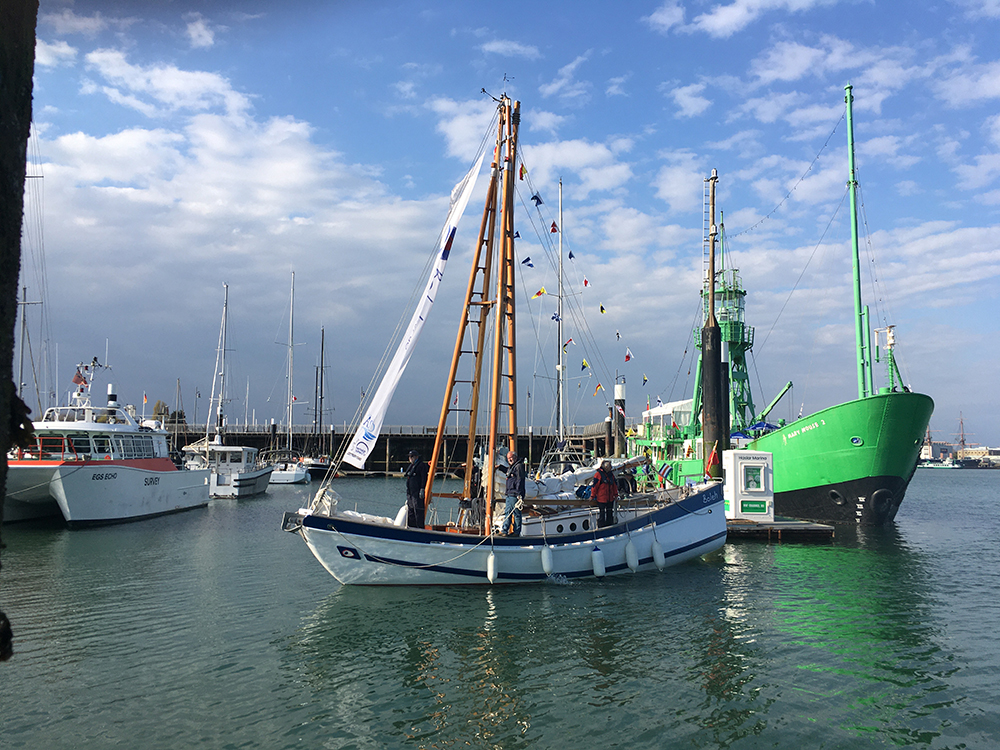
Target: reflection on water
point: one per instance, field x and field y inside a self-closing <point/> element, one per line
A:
<point x="215" y="629"/>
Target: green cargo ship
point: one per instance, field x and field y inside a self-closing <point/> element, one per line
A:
<point x="849" y="463"/>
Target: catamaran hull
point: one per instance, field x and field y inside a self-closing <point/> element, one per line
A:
<point x="360" y="553"/>
<point x="850" y="463"/>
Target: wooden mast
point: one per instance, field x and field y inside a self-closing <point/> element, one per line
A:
<point x="504" y="342"/>
<point x="476" y="313"/>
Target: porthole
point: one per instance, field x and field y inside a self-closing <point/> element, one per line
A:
<point x="857" y="441"/>
<point x="586" y="525"/>
<point x="836" y="497"/>
<point x="572" y="527"/>
<point x="559" y="529"/>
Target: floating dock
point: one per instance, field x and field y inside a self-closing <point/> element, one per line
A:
<point x="779" y="530"/>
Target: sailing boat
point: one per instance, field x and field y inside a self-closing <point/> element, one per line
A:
<point x="359" y="548"/>
<point x="849" y="463"/>
<point x="235" y="470"/>
<point x="287" y="463"/>
<point x="317" y="462"/>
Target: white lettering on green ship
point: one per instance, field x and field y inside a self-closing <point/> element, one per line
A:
<point x="804" y="428"/>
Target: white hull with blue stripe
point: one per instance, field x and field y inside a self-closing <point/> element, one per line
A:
<point x="356" y="551"/>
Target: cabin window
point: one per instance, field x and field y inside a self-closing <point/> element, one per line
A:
<point x="143" y="446"/>
<point x="102" y="444"/>
<point x="753" y="478"/>
<point x="80" y="443"/>
<point x="235" y="458"/>
<point x="124" y="443"/>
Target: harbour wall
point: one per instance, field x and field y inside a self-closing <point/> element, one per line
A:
<point x="394" y="443"/>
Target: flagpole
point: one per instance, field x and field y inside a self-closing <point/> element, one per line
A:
<point x="560" y="389"/>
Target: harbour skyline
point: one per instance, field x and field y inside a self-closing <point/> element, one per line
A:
<point x="182" y="148"/>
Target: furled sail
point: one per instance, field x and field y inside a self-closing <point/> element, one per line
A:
<point x="368" y="432"/>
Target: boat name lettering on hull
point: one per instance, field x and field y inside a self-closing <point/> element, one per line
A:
<point x="802" y="429"/>
<point x="150" y="481"/>
<point x="104" y="477"/>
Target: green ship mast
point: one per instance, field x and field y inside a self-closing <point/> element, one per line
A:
<point x="862" y="346"/>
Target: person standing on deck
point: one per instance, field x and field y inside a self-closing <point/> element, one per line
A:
<point x="605" y="492"/>
<point x="515" y="495"/>
<point x="416" y="482"/>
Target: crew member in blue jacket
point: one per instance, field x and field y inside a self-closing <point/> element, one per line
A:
<point x="416" y="483"/>
<point x="515" y="494"/>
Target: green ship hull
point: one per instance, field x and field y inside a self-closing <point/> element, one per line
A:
<point x="850" y="463"/>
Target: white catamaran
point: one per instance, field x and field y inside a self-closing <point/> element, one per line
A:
<point x="364" y="549"/>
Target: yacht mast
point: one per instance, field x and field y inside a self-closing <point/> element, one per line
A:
<point x="561" y="367"/>
<point x="291" y="349"/>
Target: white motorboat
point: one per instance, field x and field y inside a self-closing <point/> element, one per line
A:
<point x="236" y="470"/>
<point x="98" y="465"/>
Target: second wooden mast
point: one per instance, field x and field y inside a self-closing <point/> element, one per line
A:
<point x="496" y="238"/>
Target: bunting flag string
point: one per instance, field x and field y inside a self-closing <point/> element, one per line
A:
<point x="568" y="342"/>
<point x="527" y="262"/>
<point x="628" y="354"/>
<point x="603" y="310"/>
<point x="598" y="388"/>
<point x="554" y="229"/>
<point x="584" y="366"/>
<point x="586" y="283"/>
<point x="644" y="381"/>
<point x="555" y="317"/>
<point x="571" y="256"/>
<point x="537" y="199"/>
<point x="539" y="293"/>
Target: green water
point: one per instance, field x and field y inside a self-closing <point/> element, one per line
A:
<point x="214" y="629"/>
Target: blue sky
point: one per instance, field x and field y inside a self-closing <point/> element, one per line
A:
<point x="197" y="144"/>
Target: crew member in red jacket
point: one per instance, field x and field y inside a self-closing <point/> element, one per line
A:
<point x="605" y="492"/>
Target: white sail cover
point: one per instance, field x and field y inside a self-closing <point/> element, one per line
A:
<point x="364" y="439"/>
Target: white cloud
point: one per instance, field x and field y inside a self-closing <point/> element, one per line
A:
<point x="786" y="61"/>
<point x="462" y="124"/>
<point x="615" y="86"/>
<point x="541" y="120"/>
<point x="971" y="84"/>
<point x="168" y="87"/>
<point x="199" y="33"/>
<point x="725" y="20"/>
<point x="768" y="109"/>
<point x="509" y="48"/>
<point x="981" y="8"/>
<point x="992" y="127"/>
<point x="565" y="86"/>
<point x="51" y="55"/>
<point x="668" y="16"/>
<point x="981" y="174"/>
<point x="888" y="147"/>
<point x="689" y="100"/>
<point x="680" y="182"/>
<point x="68" y="22"/>
<point x="595" y="165"/>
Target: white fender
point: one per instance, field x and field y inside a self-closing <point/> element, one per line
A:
<point x="547" y="560"/>
<point x="658" y="557"/>
<point x="400" y="519"/>
<point x="631" y="556"/>
<point x="491" y="568"/>
<point x="597" y="558"/>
